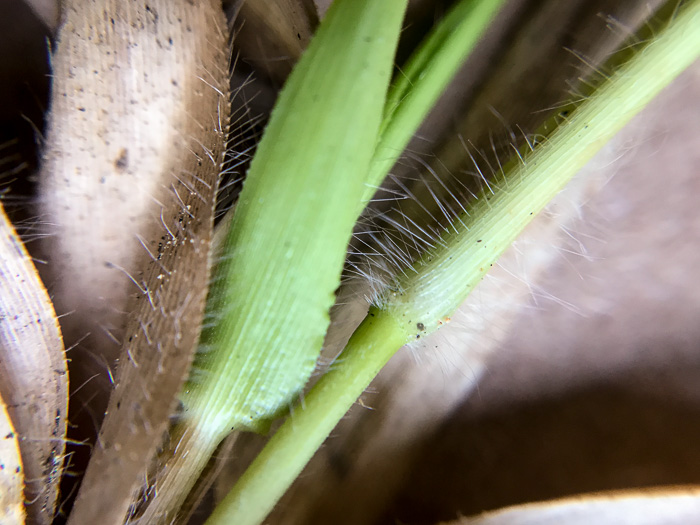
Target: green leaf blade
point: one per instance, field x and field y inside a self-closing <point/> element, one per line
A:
<point x="424" y="78"/>
<point x="269" y="303"/>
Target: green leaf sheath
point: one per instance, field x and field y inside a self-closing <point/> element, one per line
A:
<point x="267" y="312"/>
<point x="424" y="77"/>
<point x="443" y="277"/>
<point x="423" y="299"/>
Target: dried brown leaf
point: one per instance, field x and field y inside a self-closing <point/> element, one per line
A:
<point x="133" y="154"/>
<point x="33" y="379"/>
<point x="11" y="474"/>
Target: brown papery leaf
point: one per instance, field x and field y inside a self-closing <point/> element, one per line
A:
<point x="33" y="379"/>
<point x="134" y="149"/>
<point x="11" y="474"/>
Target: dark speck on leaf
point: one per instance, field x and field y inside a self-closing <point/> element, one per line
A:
<point x="122" y="160"/>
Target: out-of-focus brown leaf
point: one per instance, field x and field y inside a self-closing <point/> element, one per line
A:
<point x="33" y="379"/>
<point x="11" y="474"/>
<point x="664" y="506"/>
<point x="274" y="34"/>
<point x="133" y="153"/>
<point x="46" y="10"/>
<point x="596" y="387"/>
<point x="522" y="67"/>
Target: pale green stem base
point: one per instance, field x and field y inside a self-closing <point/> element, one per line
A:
<point x="173" y="483"/>
<point x="276" y="467"/>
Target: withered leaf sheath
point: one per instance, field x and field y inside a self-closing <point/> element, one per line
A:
<point x="136" y="134"/>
